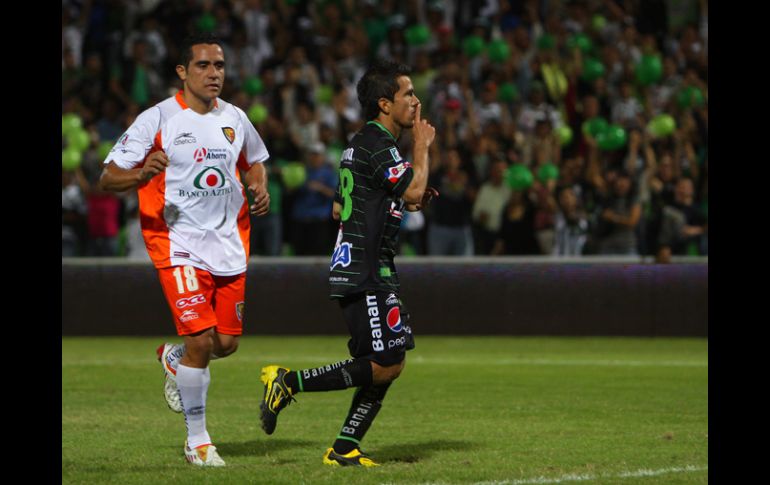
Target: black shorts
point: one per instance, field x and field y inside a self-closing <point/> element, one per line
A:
<point x="379" y="327"/>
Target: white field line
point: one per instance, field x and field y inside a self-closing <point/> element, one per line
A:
<point x="572" y="477"/>
<point x="317" y="360"/>
<point x="588" y="362"/>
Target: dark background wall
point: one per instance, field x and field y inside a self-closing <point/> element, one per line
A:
<point x="444" y="296"/>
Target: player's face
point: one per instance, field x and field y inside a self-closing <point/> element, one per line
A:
<point x="204" y="75"/>
<point x="404" y="103"/>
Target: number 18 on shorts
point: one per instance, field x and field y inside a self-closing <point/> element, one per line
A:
<point x="199" y="300"/>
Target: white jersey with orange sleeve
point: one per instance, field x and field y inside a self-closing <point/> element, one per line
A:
<point x="195" y="212"/>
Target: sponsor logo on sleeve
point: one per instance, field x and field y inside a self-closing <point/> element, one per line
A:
<point x="395" y="154"/>
<point x="395" y="173"/>
<point x="392" y="300"/>
<point x="123" y="139"/>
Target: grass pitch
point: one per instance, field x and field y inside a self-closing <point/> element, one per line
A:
<point x="495" y="410"/>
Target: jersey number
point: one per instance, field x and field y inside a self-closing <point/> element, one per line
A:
<point x="346" y="187"/>
<point x="189" y="276"/>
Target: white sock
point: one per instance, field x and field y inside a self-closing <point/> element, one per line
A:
<point x="193" y="387"/>
<point x="176" y="355"/>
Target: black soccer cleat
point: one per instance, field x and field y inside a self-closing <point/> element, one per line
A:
<point x="354" y="458"/>
<point x="277" y="396"/>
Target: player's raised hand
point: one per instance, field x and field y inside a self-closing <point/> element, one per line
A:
<point x="422" y="131"/>
<point x="156" y="163"/>
<point x="261" y="205"/>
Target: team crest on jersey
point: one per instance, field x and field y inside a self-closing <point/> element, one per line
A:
<point x="341" y="255"/>
<point x="209" y="178"/>
<point x="229" y="134"/>
<point x="239" y="310"/>
<point x="395" y="173"/>
<point x="394" y="319"/>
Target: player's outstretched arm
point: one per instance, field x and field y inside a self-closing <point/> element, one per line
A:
<point x="116" y="179"/>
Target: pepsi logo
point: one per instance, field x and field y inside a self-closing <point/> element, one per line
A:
<point x="394" y="319"/>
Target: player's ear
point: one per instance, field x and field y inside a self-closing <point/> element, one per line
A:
<point x="181" y="72"/>
<point x="384" y="104"/>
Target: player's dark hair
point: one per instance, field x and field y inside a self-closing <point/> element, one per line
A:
<point x="379" y="81"/>
<point x="186" y="54"/>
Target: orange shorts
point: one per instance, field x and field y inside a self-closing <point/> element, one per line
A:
<point x="200" y="300"/>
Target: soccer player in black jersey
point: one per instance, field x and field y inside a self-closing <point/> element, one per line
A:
<point x="377" y="183"/>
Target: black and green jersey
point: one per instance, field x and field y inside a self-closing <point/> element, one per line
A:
<point x="373" y="177"/>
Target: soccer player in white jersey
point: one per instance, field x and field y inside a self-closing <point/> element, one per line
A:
<point x="185" y="157"/>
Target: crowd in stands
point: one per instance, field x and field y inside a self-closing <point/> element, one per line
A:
<point x="563" y="128"/>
